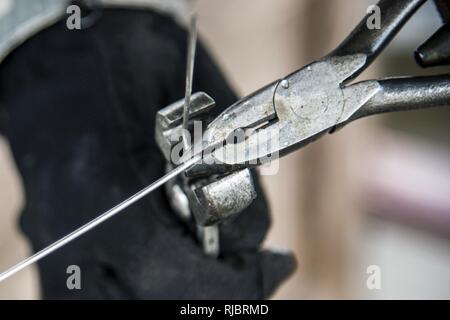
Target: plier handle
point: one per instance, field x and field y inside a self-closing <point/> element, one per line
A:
<point x="290" y="112"/>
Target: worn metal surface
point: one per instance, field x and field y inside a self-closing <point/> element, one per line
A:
<point x="409" y="93"/>
<point x="311" y="101"/>
<point x="315" y="99"/>
<point x="169" y="120"/>
<point x="219" y="200"/>
<point x="210" y="199"/>
<point x="207" y="205"/>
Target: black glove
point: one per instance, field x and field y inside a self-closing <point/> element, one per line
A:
<point x="81" y="108"/>
<point x="2" y="119"/>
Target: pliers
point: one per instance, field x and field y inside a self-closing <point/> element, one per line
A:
<point x="290" y="112"/>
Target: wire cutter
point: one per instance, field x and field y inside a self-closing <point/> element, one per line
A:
<point x="290" y="112"/>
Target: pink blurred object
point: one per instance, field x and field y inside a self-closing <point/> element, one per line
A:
<point x="409" y="181"/>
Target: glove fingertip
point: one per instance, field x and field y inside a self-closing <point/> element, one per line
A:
<point x="276" y="267"/>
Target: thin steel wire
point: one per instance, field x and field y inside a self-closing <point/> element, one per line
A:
<point x="100" y="219"/>
<point x="192" y="45"/>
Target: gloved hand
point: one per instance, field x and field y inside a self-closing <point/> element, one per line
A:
<point x="81" y="108"/>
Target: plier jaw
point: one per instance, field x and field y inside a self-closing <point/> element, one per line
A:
<point x="251" y="112"/>
<point x="286" y="114"/>
<point x="291" y="112"/>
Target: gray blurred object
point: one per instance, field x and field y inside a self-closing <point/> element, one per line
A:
<point x="436" y="50"/>
<point x="21" y="19"/>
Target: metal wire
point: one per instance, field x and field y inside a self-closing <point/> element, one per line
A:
<point x="102" y="218"/>
<point x="192" y="44"/>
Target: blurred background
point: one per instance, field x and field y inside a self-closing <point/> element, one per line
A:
<point x="375" y="193"/>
